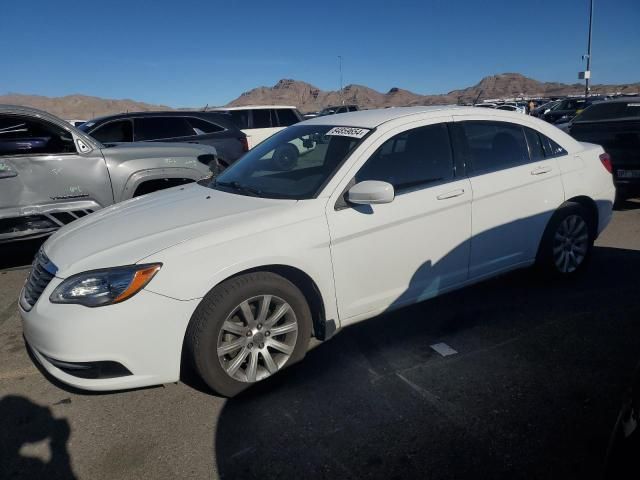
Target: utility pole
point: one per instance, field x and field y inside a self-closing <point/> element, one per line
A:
<point x="587" y="73"/>
<point x="340" y="67"/>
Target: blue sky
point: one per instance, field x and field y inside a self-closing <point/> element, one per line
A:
<point x="189" y="53"/>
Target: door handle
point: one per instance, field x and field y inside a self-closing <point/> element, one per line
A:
<point x="8" y="174"/>
<point x="540" y="170"/>
<point x="451" y="194"/>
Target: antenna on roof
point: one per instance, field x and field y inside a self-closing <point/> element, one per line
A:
<point x="205" y="107"/>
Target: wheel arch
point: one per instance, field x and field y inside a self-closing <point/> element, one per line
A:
<point x="304" y="282"/>
<point x="590" y="205"/>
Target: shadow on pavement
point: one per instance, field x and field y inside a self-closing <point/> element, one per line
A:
<point x="23" y="422"/>
<point x="534" y="391"/>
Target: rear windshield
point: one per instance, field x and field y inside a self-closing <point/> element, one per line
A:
<point x="611" y="111"/>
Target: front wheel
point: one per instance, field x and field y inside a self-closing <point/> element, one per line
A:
<point x="568" y="241"/>
<point x="247" y="329"/>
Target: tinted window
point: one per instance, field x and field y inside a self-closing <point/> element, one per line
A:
<point x="414" y="157"/>
<point x="286" y="117"/>
<point x="118" y="131"/>
<point x="551" y="148"/>
<point x="610" y="111"/>
<point x="158" y="128"/>
<point x="536" y="151"/>
<point x="493" y="145"/>
<point x="23" y="135"/>
<point x="201" y="127"/>
<point x="261" y="118"/>
<point x="353" y="109"/>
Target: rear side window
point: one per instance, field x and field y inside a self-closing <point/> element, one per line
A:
<point x="261" y="118"/>
<point x="158" y="128"/>
<point x="26" y="136"/>
<point x="536" y="150"/>
<point x="551" y="148"/>
<point x="286" y="117"/>
<point x="416" y="157"/>
<point x="112" y="132"/>
<point x="490" y="146"/>
<point x="202" y="127"/>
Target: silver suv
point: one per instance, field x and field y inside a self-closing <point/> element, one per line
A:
<point x="52" y="173"/>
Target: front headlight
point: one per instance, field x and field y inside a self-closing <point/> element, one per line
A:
<point x="104" y="287"/>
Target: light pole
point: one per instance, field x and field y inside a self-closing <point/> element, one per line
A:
<point x="587" y="73"/>
<point x="340" y="68"/>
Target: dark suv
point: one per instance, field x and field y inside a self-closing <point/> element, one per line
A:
<point x="190" y="127"/>
<point x="565" y="110"/>
<point x="615" y="124"/>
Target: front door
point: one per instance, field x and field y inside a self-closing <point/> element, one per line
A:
<point x="389" y="255"/>
<point x="41" y="168"/>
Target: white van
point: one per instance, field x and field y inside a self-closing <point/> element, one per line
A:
<point x="259" y="122"/>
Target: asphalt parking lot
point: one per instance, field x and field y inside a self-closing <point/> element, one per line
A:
<point x="533" y="391"/>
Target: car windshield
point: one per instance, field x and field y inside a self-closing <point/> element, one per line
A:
<point x="293" y="164"/>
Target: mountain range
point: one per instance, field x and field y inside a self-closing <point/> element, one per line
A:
<point x="307" y="97"/>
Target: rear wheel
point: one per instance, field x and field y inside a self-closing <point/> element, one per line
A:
<point x="247" y="329"/>
<point x="568" y="240"/>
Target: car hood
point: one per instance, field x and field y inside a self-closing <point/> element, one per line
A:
<point x="127" y="232"/>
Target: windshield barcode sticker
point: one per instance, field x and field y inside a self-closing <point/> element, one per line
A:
<point x="348" y="132"/>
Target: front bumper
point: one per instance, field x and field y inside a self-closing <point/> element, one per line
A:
<point x="143" y="334"/>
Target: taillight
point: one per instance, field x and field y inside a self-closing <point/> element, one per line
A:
<point x="245" y="144"/>
<point x="605" y="158"/>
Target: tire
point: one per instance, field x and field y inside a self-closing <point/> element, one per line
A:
<point x="567" y="242"/>
<point x="231" y="347"/>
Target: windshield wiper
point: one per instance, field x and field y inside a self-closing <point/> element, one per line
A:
<point x="237" y="186"/>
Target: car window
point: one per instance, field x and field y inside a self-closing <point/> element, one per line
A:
<point x="286" y="117"/>
<point x="610" y="111"/>
<point x="158" y="128"/>
<point x="536" y="151"/>
<point x="416" y="157"/>
<point x="491" y="146"/>
<point x="551" y="148"/>
<point x="23" y="135"/>
<point x="202" y="127"/>
<point x="112" y="132"/>
<point x="261" y="118"/>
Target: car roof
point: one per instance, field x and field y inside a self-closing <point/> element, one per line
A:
<point x="374" y="118"/>
<point x="219" y="117"/>
<point x="250" y="107"/>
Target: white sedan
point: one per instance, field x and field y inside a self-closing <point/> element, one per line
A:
<point x="386" y="208"/>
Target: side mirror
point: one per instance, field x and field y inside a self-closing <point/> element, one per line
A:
<point x="371" y="192"/>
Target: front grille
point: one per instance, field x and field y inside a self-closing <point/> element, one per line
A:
<point x="42" y="271"/>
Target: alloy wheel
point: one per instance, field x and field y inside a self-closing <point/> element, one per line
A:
<point x="257" y="338"/>
<point x="570" y="244"/>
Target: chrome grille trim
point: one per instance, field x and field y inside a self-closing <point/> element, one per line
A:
<point x="42" y="272"/>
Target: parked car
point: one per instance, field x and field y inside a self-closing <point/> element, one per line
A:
<point x="565" y="110"/>
<point x="237" y="273"/>
<point x="338" y="109"/>
<point x="188" y="127"/>
<point x="52" y="173"/>
<point x="259" y="122"/>
<point x="509" y="108"/>
<point x="540" y="110"/>
<point x="486" y="105"/>
<point x="615" y="124"/>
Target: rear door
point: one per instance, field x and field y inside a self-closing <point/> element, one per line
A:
<point x="515" y="187"/>
<point x="41" y="168"/>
